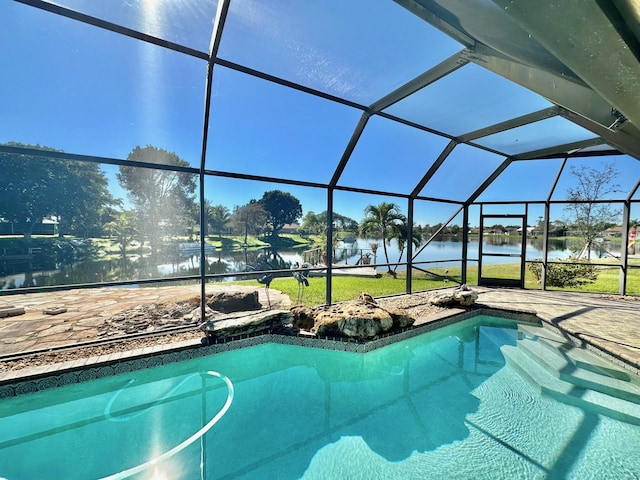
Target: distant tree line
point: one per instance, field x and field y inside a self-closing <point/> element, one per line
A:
<point x="34" y="187"/>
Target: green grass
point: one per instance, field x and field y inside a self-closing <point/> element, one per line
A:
<point x="349" y="288"/>
<point x="607" y="282"/>
<point x="237" y="242"/>
<point x="343" y="288"/>
<point x="608" y="278"/>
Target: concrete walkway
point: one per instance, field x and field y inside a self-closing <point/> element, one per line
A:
<point x="609" y="323"/>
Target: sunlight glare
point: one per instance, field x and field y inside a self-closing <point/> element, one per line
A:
<point x="158" y="474"/>
<point x="149" y="75"/>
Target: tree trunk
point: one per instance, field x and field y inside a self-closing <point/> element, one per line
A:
<point x="28" y="229"/>
<point x="399" y="259"/>
<point x="386" y="255"/>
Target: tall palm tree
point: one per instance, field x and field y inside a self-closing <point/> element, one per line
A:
<point x="402" y="235"/>
<point x="383" y="220"/>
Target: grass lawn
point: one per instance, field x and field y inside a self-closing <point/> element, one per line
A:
<point x="609" y="278"/>
<point x="349" y="288"/>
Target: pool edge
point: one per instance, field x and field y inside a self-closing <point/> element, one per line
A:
<point x="34" y="379"/>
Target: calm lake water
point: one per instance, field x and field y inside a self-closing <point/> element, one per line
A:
<point x="44" y="271"/>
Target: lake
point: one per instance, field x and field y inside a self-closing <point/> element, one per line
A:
<point x="447" y="252"/>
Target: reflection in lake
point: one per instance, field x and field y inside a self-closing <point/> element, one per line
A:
<point x="67" y="266"/>
<point x="42" y="269"/>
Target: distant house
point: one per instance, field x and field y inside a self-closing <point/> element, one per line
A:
<point x="495" y="231"/>
<point x="46" y="226"/>
<point x="290" y="228"/>
<point x="613" y="232"/>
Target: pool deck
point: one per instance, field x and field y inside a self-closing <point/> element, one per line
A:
<point x="85" y="310"/>
<point x="609" y="323"/>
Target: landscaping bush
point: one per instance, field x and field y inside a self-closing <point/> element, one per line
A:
<point x="574" y="273"/>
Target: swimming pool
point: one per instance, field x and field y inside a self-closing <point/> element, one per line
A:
<point x="471" y="400"/>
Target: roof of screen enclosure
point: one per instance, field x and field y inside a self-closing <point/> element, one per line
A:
<point x="531" y="80"/>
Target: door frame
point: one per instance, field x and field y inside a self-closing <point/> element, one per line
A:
<point x="503" y="282"/>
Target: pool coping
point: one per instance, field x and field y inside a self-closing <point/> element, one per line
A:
<point x="44" y="377"/>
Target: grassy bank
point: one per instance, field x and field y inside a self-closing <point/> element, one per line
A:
<point x="237" y="242"/>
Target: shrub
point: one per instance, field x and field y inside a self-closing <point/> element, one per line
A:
<point x="574" y="273"/>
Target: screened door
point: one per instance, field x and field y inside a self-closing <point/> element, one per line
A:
<point x="501" y="250"/>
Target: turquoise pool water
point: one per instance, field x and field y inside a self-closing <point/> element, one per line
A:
<point x="469" y="401"/>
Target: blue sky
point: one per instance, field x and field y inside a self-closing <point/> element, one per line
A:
<point x="89" y="91"/>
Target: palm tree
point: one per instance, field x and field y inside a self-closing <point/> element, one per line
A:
<point x="123" y="228"/>
<point x="217" y="218"/>
<point x="383" y="220"/>
<point x="401" y="236"/>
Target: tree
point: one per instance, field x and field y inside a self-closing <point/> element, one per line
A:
<point x="85" y="198"/>
<point x="557" y="228"/>
<point x="281" y="208"/>
<point x="191" y="219"/>
<point x="318" y="223"/>
<point x="123" y="228"/>
<point x="382" y="220"/>
<point x="575" y="272"/>
<point x="589" y="217"/>
<point x="34" y="187"/>
<point x="313" y="224"/>
<point x="249" y="218"/>
<point x="342" y="223"/>
<point x="401" y="235"/>
<point x="162" y="197"/>
<point x="218" y="217"/>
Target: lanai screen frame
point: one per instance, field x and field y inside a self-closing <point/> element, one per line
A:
<point x="377" y="108"/>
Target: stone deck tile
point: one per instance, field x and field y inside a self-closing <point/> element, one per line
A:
<point x="91" y="321"/>
<point x="437" y="316"/>
<point x="17" y="328"/>
<point x="63" y="331"/>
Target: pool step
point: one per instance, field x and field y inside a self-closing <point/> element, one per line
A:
<point x="580" y="357"/>
<point x="499" y="335"/>
<point x="577" y="365"/>
<point x="597" y="392"/>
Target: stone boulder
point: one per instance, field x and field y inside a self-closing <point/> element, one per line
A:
<point x="303" y="317"/>
<point x="233" y="301"/>
<point x="461" y="295"/>
<point x="358" y="319"/>
<point x="400" y="318"/>
<point x="253" y="323"/>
